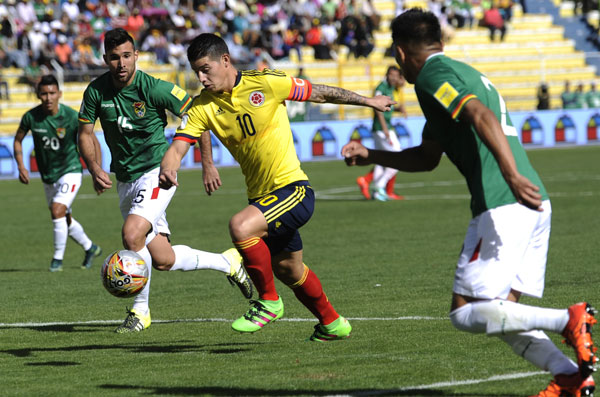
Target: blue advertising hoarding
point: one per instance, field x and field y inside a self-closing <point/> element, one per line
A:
<point x="322" y="140"/>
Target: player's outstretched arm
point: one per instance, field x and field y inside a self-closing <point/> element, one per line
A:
<point x="210" y="174"/>
<point x="171" y="162"/>
<point x="420" y="158"/>
<point x="328" y="94"/>
<point x="89" y="149"/>
<point x="18" y="153"/>
<point x="490" y="131"/>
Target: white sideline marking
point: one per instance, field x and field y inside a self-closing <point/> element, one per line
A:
<point x="494" y="378"/>
<point x="211" y="320"/>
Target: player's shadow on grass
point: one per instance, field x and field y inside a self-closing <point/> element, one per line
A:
<point x="217" y="348"/>
<point x="53" y="364"/>
<point x="232" y="391"/>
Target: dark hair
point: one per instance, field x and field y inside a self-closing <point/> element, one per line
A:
<point x="416" y="26"/>
<point x="116" y="37"/>
<point x="206" y="44"/>
<point x="396" y="68"/>
<point x="47" y="79"/>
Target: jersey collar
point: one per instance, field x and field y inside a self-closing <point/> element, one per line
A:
<point x="238" y="78"/>
<point x="434" y="55"/>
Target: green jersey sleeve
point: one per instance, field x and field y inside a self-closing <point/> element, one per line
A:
<point x="169" y="96"/>
<point x="26" y="122"/>
<point x="89" y="110"/>
<point x="447" y="88"/>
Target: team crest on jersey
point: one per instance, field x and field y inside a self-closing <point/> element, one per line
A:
<point x="61" y="132"/>
<point x="140" y="108"/>
<point x="256" y="98"/>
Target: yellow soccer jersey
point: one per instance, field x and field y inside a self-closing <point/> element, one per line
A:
<point x="252" y="123"/>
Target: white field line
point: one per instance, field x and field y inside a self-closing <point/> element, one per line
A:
<point x="494" y="378"/>
<point x="210" y="320"/>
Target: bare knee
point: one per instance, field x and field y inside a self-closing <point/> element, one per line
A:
<point x="58" y="210"/>
<point x="163" y="256"/>
<point x="133" y="238"/>
<point x="240" y="228"/>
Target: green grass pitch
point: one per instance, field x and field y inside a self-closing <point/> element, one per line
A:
<point x="386" y="266"/>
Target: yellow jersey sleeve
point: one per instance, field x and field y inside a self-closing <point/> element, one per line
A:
<point x="193" y="123"/>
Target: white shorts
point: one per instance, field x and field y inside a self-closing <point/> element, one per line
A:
<point x="64" y="190"/>
<point x="505" y="248"/>
<point x="143" y="197"/>
<point x="382" y="143"/>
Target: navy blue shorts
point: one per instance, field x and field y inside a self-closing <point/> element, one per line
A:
<point x="286" y="210"/>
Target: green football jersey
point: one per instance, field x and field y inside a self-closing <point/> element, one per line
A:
<point x="443" y="87"/>
<point x="383" y="89"/>
<point x="569" y="100"/>
<point x="54" y="140"/>
<point x="133" y="119"/>
<point x="592" y="99"/>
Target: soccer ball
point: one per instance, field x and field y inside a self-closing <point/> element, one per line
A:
<point x="124" y="273"/>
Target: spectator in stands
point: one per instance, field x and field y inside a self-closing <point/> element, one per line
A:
<point x="135" y="23"/>
<point x="569" y="98"/>
<point x="330" y="36"/>
<point x="354" y="35"/>
<point x="178" y="19"/>
<point x="71" y="8"/>
<point x="240" y="54"/>
<point x="314" y="38"/>
<point x="543" y="97"/>
<point x="4" y="87"/>
<point x="40" y="9"/>
<point x="505" y="8"/>
<point x="580" y="100"/>
<point x="156" y="42"/>
<point x="37" y="39"/>
<point x="493" y="20"/>
<point x="26" y="12"/>
<point x="206" y="19"/>
<point x="88" y="58"/>
<point x="177" y="53"/>
<point x="119" y="21"/>
<point x="292" y="39"/>
<point x="592" y="97"/>
<point x="114" y="8"/>
<point x="63" y="52"/>
<point x="461" y="13"/>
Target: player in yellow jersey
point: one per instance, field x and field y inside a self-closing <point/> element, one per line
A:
<point x="246" y="111"/>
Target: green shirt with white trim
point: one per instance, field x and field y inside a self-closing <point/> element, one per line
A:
<point x="443" y="87"/>
<point x="133" y="119"/>
<point x="54" y="141"/>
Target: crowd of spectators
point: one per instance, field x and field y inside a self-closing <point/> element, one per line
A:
<point x="34" y="33"/>
<point x="580" y="99"/>
<point x="570" y="99"/>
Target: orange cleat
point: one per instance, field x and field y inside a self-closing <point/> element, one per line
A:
<point x="578" y="333"/>
<point x="394" y="196"/>
<point x="363" y="185"/>
<point x="569" y="386"/>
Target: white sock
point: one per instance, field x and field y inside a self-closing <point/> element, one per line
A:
<point x="501" y="317"/>
<point x="140" y="303"/>
<point x="61" y="231"/>
<point x="379" y="180"/>
<point x="76" y="232"/>
<point x="538" y="349"/>
<point x="187" y="259"/>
